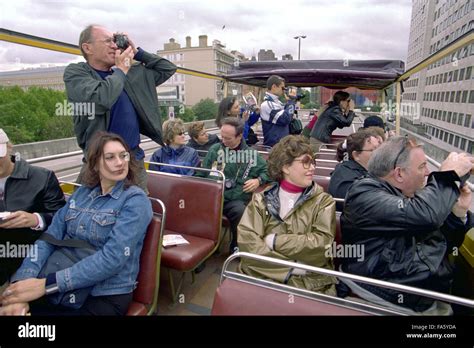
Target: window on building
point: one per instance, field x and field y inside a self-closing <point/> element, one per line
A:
<point x="455" y="118"/>
<point x="455" y="75"/>
<point x="458" y="96"/>
<point x="471" y="97"/>
<point x="450" y="141"/>
<point x="445" y="77"/>
<point x="450" y="76"/>
<point x="467" y="121"/>
<point x="470" y="147"/>
<point x="451" y="98"/>
<point x="461" y="119"/>
<point x="444" y="116"/>
<point x="463" y="144"/>
<point x="461" y="74"/>
<point x="464" y="96"/>
<point x="468" y="72"/>
<point x="445" y="137"/>
<point x="456" y="141"/>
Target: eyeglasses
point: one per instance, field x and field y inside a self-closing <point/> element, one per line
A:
<point x="107" y="41"/>
<point x="307" y="161"/>
<point x="405" y="141"/>
<point x="180" y="133"/>
<point x="111" y="157"/>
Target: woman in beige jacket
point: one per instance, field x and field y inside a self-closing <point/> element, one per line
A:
<point x="292" y="220"/>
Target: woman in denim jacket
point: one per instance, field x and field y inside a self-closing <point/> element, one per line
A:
<point x="111" y="214"/>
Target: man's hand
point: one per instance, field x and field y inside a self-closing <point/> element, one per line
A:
<point x="15" y="309"/>
<point x="461" y="163"/>
<point x="251" y="185"/>
<point x="463" y="203"/>
<point x="123" y="60"/>
<point x="24" y="291"/>
<point x="130" y="42"/>
<point x="351" y="106"/>
<point x="19" y="219"/>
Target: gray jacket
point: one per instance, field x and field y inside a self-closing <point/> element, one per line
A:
<point x="85" y="85"/>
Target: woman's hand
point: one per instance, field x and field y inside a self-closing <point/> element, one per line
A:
<point x="24" y="291"/>
<point x="15" y="309"/>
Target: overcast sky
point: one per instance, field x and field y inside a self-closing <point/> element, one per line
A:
<point x="335" y="29"/>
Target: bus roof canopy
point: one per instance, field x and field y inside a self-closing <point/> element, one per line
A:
<point x="364" y="74"/>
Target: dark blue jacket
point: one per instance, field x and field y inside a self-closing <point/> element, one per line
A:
<point x="183" y="156"/>
<point x="276" y="119"/>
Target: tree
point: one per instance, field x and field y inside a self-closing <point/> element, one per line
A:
<point x="205" y="109"/>
<point x="305" y="99"/>
<point x="186" y="114"/>
<point x="310" y="105"/>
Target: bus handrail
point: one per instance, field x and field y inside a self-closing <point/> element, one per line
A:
<point x="328" y="272"/>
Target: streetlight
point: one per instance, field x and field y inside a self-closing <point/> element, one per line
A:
<point x="299" y="43"/>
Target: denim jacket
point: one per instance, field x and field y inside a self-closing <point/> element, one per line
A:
<point x="115" y="223"/>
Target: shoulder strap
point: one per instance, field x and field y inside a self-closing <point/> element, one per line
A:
<point x="70" y="243"/>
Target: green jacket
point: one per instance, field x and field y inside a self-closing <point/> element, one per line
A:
<point x="302" y="236"/>
<point x="235" y="165"/>
<point x="84" y="85"/>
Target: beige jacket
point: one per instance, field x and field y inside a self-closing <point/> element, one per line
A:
<point x="301" y="237"/>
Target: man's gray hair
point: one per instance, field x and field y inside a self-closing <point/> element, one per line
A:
<point x="383" y="159"/>
<point x="85" y="37"/>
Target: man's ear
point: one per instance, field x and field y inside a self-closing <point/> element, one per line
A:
<point x="397" y="175"/>
<point x="86" y="48"/>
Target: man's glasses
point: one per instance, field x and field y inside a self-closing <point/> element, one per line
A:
<point x="307" y="161"/>
<point x="107" y="41"/>
<point x="405" y="142"/>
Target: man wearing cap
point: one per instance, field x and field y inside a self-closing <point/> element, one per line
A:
<point x="29" y="197"/>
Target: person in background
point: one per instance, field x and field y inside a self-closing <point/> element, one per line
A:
<point x="110" y="213"/>
<point x="275" y="115"/>
<point x="354" y="154"/>
<point x="175" y="151"/>
<point x="292" y="220"/>
<point x="200" y="139"/>
<point x="313" y="114"/>
<point x="230" y="107"/>
<point x="244" y="169"/>
<point x="32" y="196"/>
<point x="338" y="114"/>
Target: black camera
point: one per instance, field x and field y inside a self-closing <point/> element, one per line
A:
<point x="121" y="41"/>
<point x="229" y="183"/>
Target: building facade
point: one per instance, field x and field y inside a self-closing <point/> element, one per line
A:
<point x="441" y="98"/>
<point x="51" y="77"/>
<point x="213" y="59"/>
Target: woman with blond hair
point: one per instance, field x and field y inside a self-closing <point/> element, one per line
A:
<point x="293" y="220"/>
<point x="175" y="150"/>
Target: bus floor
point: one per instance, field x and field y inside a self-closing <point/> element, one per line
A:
<point x="197" y="298"/>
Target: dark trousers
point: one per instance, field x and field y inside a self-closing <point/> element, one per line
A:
<point x="234" y="210"/>
<point x="94" y="305"/>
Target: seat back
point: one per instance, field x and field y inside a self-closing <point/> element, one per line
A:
<point x="194" y="205"/>
<point x="322" y="181"/>
<point x="326" y="163"/>
<point x="145" y="296"/>
<point x="332" y="156"/>
<point x="323" y="171"/>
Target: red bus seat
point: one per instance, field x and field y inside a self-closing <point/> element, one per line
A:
<point x="145" y="296"/>
<point x="194" y="210"/>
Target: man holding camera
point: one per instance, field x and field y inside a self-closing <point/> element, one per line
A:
<point x="244" y="169"/>
<point x="408" y="228"/>
<point x="124" y="99"/>
<point x="275" y="115"/>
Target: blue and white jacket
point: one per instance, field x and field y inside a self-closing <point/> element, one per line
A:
<point x="276" y="118"/>
<point x="182" y="156"/>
